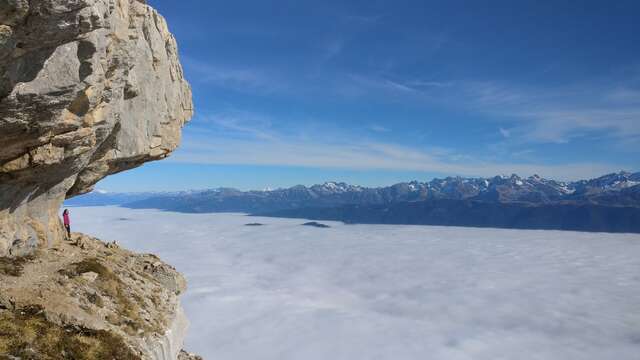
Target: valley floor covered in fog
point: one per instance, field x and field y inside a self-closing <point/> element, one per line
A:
<point x="285" y="291"/>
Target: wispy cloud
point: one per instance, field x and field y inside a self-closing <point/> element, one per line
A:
<point x="379" y="128"/>
<point x="534" y="114"/>
<point x="561" y="125"/>
<point x="238" y="123"/>
<point x="430" y="84"/>
<point x="332" y="49"/>
<point x="363" y="19"/>
<point x="558" y="114"/>
<point x="262" y="145"/>
<point x="379" y="83"/>
<point x="241" y="78"/>
<point x="505" y="133"/>
<point x="624" y="95"/>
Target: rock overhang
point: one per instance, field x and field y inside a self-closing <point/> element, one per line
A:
<point x="88" y="88"/>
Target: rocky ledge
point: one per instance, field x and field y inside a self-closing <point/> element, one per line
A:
<point x="90" y="300"/>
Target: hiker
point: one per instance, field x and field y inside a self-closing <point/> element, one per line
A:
<point x="67" y="222"/>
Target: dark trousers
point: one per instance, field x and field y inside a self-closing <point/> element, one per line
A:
<point x="68" y="227"/>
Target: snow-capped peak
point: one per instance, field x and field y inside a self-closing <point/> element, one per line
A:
<point x="330" y="185"/>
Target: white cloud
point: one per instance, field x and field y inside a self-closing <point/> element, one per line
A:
<point x="561" y="125"/>
<point x="332" y="49"/>
<point x="523" y="115"/>
<point x="389" y="292"/>
<point x="607" y="109"/>
<point x="436" y="84"/>
<point x="378" y="128"/>
<point x="262" y="145"/>
<point x="240" y="78"/>
<point x="624" y="95"/>
<point x="535" y="114"/>
<point x="363" y="19"/>
<point x="237" y="122"/>
<point x="367" y="83"/>
<point x="555" y="115"/>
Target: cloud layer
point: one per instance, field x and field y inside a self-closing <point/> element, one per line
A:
<point x="287" y="292"/>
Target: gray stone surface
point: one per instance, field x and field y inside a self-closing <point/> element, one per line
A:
<point x="88" y="88"/>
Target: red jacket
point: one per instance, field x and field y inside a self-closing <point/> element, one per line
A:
<point x="65" y="217"/>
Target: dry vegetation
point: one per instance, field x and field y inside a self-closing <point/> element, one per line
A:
<point x="53" y="307"/>
<point x="14" y="266"/>
<point x="127" y="304"/>
<point x="26" y="334"/>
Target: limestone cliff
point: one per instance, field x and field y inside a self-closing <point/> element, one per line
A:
<point x="88" y="88"/>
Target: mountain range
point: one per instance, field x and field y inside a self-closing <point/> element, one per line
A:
<point x="608" y="203"/>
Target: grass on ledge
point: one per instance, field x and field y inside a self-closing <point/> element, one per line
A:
<point x="27" y="334"/>
<point x="127" y="304"/>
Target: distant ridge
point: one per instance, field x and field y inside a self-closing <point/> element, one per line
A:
<point x="611" y="201"/>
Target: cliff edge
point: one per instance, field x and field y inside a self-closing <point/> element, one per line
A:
<point x="88" y="88"/>
<point x="88" y="300"/>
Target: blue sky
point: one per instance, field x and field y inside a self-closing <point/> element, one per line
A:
<point x="377" y="92"/>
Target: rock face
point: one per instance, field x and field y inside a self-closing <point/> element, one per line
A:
<point x="133" y="298"/>
<point x="88" y="88"/>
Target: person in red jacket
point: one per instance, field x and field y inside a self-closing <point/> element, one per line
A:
<point x="67" y="222"/>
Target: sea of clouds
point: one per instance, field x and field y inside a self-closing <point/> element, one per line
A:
<point x="285" y="291"/>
